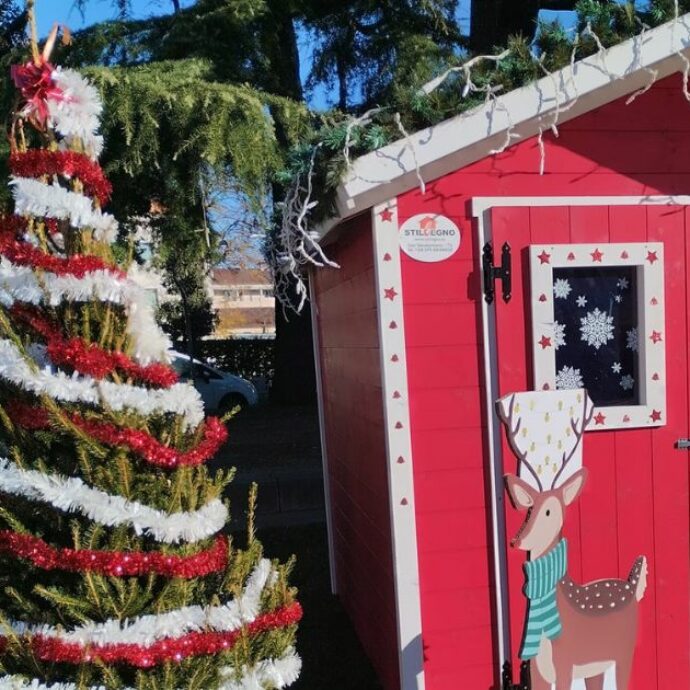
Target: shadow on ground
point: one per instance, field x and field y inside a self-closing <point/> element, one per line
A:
<point x="279" y="447"/>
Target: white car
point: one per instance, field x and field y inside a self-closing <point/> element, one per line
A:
<point x="219" y="390"/>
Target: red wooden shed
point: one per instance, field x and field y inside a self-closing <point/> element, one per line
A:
<point x="413" y="352"/>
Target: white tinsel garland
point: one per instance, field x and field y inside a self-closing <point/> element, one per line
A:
<point x="72" y="495"/>
<point x="21" y="284"/>
<point x="145" y="630"/>
<point x="77" y="114"/>
<point x="274" y="673"/>
<point x="35" y="198"/>
<point x="181" y="398"/>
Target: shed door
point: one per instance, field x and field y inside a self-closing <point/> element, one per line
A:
<point x="605" y="334"/>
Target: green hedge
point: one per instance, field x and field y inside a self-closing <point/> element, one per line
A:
<point x="248" y="358"/>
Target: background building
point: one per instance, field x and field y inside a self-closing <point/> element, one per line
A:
<point x="244" y="301"/>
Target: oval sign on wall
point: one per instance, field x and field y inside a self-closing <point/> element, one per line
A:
<point x="429" y="237"/>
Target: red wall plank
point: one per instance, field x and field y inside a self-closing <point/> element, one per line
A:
<point x="352" y="399"/>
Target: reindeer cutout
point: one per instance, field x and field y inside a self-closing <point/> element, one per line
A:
<point x="572" y="631"/>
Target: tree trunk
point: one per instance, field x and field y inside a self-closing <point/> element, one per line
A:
<point x="342" y="81"/>
<point x="294" y="380"/>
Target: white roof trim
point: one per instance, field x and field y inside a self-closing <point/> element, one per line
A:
<point x="461" y="140"/>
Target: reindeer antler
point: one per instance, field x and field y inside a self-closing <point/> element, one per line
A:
<point x="513" y="428"/>
<point x="579" y="431"/>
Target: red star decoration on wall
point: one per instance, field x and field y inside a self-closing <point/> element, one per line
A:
<point x="386" y="215"/>
<point x="545" y="342"/>
<point x="655" y="337"/>
<point x="652" y="257"/>
<point x="600" y="418"/>
<point x="544" y="258"/>
<point x="655" y="416"/>
<point x="390" y="294"/>
<point x="597" y="255"/>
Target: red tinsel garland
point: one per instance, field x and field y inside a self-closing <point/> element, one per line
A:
<point x="153" y="451"/>
<point x="39" y="162"/>
<point x="168" y="649"/>
<point x="115" y="563"/>
<point x="90" y="359"/>
<point x="25" y="254"/>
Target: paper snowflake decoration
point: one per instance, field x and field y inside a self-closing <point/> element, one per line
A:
<point x="623" y="283"/>
<point x="618" y="298"/>
<point x="616" y="367"/>
<point x="558" y="334"/>
<point x="632" y="340"/>
<point x="581" y="301"/>
<point x="568" y="378"/>
<point x="627" y="382"/>
<point x="561" y="288"/>
<point x="596" y="328"/>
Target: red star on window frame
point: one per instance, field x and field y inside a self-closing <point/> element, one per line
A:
<point x="652" y="257"/>
<point x="386" y="215"/>
<point x="596" y="255"/>
<point x="390" y="293"/>
<point x="544" y="342"/>
<point x="600" y="418"/>
<point x="544" y="257"/>
<point x="655" y="337"/>
<point x="655" y="416"/>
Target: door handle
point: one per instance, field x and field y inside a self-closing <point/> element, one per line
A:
<point x="683" y="444"/>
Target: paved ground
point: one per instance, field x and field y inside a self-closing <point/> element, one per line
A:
<point x="279" y="448"/>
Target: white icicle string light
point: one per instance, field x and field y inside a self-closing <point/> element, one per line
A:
<point x="298" y="245"/>
<point x="148" y="629"/>
<point x="181" y="398"/>
<point x="289" y="263"/>
<point x="72" y="495"/>
<point x="36" y="198"/>
<point x="276" y="673"/>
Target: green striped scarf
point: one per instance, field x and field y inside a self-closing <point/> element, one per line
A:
<point x="542" y="575"/>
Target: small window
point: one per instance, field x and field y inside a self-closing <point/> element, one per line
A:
<point x="598" y="323"/>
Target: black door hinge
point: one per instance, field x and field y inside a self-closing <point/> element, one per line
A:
<point x="492" y="273"/>
<point x="507" y="677"/>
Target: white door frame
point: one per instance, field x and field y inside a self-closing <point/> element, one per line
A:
<point x="481" y="211"/>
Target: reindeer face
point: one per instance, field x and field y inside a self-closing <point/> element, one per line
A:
<point x="545" y="511"/>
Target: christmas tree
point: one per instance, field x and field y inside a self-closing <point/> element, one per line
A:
<point x="115" y="571"/>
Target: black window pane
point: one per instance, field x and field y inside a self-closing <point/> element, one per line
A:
<point x="596" y="332"/>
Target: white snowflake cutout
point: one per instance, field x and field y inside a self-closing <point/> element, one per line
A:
<point x="623" y="283"/>
<point x="596" y="328"/>
<point x="561" y="288"/>
<point x="581" y="301"/>
<point x="632" y="340"/>
<point x="558" y="334"/>
<point x="616" y="367"/>
<point x="627" y="382"/>
<point x="568" y="378"/>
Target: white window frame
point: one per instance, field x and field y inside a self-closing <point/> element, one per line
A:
<point x="648" y="260"/>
